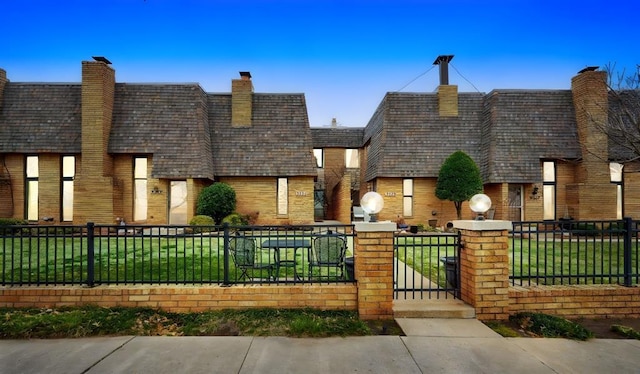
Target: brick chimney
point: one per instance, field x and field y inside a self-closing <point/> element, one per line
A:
<point x="94" y="182"/>
<point x="594" y="197"/>
<point x="241" y="100"/>
<point x="447" y="94"/>
<point x="3" y="82"/>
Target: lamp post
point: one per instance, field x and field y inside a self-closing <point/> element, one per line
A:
<point x="480" y="204"/>
<point x="372" y="203"/>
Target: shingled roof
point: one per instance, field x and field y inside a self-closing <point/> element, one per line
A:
<point x="408" y="138"/>
<point x="278" y="143"/>
<point x="166" y="120"/>
<point x="522" y="127"/>
<point x="337" y="137"/>
<point x="41" y="118"/>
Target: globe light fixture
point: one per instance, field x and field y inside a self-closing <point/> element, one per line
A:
<point x="372" y="203"/>
<point x="480" y="203"/>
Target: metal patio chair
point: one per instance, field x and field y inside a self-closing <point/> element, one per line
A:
<point x="328" y="252"/>
<point x="243" y="252"/>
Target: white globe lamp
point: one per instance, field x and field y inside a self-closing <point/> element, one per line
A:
<point x="480" y="204"/>
<point x="372" y="203"/>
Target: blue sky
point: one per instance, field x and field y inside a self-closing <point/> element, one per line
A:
<point x="343" y="55"/>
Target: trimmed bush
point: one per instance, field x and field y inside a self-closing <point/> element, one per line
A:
<point x="12" y="222"/>
<point x="216" y="201"/>
<point x="201" y="221"/>
<point x="235" y="219"/>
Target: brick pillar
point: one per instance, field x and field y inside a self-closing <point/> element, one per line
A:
<point x="374" y="269"/>
<point x="484" y="267"/>
<point x="448" y="100"/>
<point x="241" y="100"/>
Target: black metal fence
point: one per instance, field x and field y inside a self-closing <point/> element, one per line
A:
<point x="426" y="266"/>
<point x="142" y="254"/>
<point x="569" y="252"/>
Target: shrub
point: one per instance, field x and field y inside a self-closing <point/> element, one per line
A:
<point x="201" y="221"/>
<point x="216" y="201"/>
<point x="551" y="326"/>
<point x="12" y="222"/>
<point x="235" y="219"/>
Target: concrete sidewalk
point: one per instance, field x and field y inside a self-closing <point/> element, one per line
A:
<point x="431" y="346"/>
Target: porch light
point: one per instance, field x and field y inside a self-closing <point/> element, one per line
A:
<point x="480" y="203"/>
<point x="372" y="203"/>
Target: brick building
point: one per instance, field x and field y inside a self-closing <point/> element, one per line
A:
<point x="102" y="150"/>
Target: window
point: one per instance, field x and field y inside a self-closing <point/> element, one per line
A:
<point x="140" y="189"/>
<point x="32" y="174"/>
<point x="319" y="155"/>
<point x="178" y="203"/>
<point x="68" y="174"/>
<point x="616" y="178"/>
<point x="283" y="196"/>
<point x="549" y="189"/>
<point x="407" y="197"/>
<point x="351" y="158"/>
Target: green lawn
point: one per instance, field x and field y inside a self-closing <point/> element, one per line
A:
<point x="134" y="259"/>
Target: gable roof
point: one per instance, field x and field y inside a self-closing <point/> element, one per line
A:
<point x="168" y="121"/>
<point x="337" y="137"/>
<point x="278" y="143"/>
<point x="40" y="118"/>
<point x="523" y="127"/>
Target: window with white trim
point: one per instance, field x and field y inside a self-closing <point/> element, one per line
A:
<point x="549" y="189"/>
<point x="32" y="175"/>
<point x="283" y="196"/>
<point x="319" y="155"/>
<point x="407" y="197"/>
<point x="616" y="178"/>
<point x="351" y="159"/>
<point x="140" y="189"/>
<point x="68" y="175"/>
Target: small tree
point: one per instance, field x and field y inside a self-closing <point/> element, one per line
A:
<point x="458" y="180"/>
<point x="216" y="201"/>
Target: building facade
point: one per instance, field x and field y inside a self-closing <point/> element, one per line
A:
<point x="106" y="152"/>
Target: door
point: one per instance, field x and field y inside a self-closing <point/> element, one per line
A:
<point x="515" y="202"/>
<point x="178" y="203"/>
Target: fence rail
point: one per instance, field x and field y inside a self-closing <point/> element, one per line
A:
<point x="569" y="252"/>
<point x="142" y="254"/>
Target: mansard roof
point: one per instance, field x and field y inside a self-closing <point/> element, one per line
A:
<point x="168" y="121"/>
<point x="278" y="142"/>
<point x="40" y="118"/>
<point x="337" y="137"/>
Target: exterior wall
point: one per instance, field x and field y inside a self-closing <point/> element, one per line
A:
<point x="425" y="202"/>
<point x="631" y="190"/>
<point x="15" y="168"/>
<point x="258" y="194"/>
<point x="342" y="201"/>
<point x="334" y="170"/>
<point x="183" y="299"/>
<point x="448" y="100"/>
<point x="241" y="101"/>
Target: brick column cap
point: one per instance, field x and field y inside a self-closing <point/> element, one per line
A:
<point x="486" y="225"/>
<point x="384" y="226"/>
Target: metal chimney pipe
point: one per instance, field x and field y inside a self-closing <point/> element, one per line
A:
<point x="443" y="61"/>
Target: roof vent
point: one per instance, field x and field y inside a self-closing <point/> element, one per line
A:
<point x="443" y="61"/>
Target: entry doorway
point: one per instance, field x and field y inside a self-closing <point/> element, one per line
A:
<point x="515" y="202"/>
<point x="178" y="203"/>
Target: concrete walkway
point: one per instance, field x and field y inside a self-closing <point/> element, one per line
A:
<point x="431" y="346"/>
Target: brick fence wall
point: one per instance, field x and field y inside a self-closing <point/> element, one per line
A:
<point x="186" y="298"/>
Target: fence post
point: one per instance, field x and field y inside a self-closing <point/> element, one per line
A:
<point x="628" y="234"/>
<point x="226" y="280"/>
<point x="90" y="254"/>
<point x="374" y="269"/>
<point x="484" y="267"/>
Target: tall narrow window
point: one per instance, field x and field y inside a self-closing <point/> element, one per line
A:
<point x="407" y="197"/>
<point x="549" y="189"/>
<point x="32" y="173"/>
<point x="140" y="189"/>
<point x="68" y="174"/>
<point x="616" y="178"/>
<point x="351" y="159"/>
<point x="283" y="196"/>
<point x="319" y="155"/>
